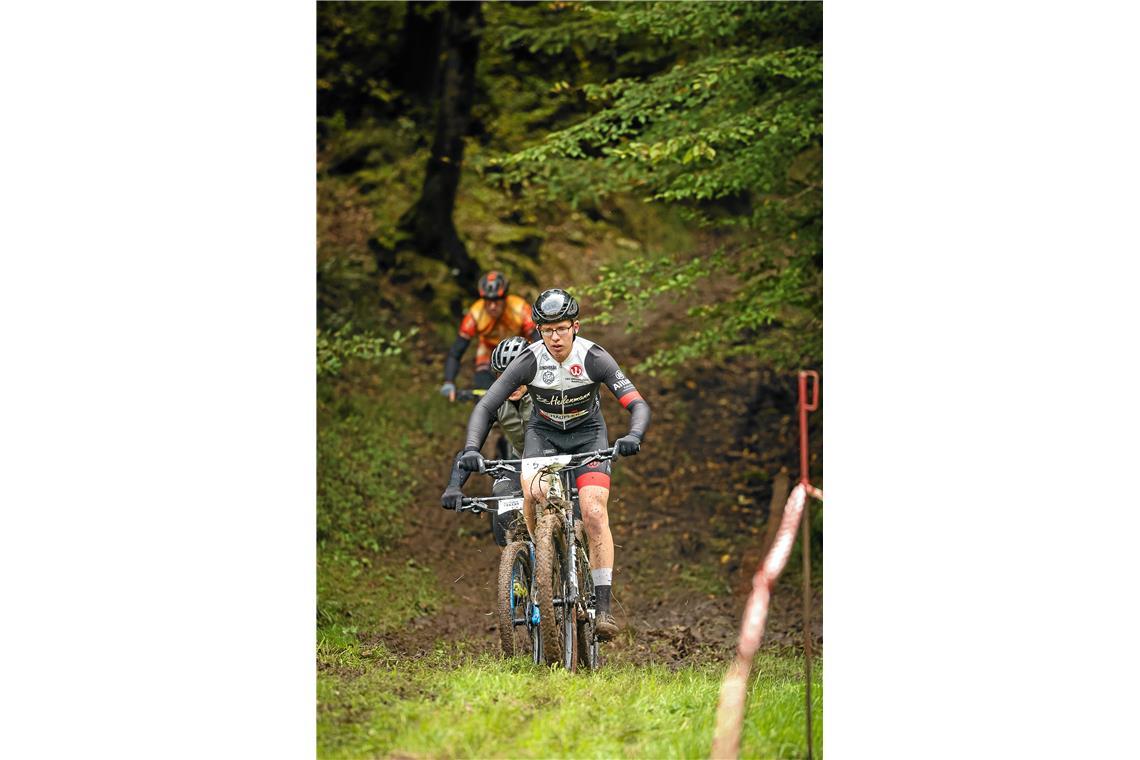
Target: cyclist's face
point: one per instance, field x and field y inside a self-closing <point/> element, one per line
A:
<point x="494" y="307"/>
<point x="558" y="336"/>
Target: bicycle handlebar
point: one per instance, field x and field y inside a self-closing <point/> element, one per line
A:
<point x="493" y="466"/>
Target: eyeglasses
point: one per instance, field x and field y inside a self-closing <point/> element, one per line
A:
<point x="562" y="331"/>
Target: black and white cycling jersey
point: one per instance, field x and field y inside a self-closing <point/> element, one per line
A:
<point x="565" y="394"/>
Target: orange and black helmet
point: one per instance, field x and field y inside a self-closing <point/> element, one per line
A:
<point x="493" y="285"/>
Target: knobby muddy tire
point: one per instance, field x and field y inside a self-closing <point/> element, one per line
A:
<point x="545" y="532"/>
<point x="506" y="614"/>
<point x="559" y="638"/>
<point x="587" y="644"/>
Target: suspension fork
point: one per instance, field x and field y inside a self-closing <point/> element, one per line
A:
<point x="571" y="563"/>
<point x="571" y="559"/>
<point x="571" y="537"/>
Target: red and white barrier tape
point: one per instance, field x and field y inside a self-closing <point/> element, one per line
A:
<point x="730" y="712"/>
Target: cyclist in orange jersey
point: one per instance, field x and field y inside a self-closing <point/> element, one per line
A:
<point x="495" y="317"/>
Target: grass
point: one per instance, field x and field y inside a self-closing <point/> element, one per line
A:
<point x="449" y="705"/>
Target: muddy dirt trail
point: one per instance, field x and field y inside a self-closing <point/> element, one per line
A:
<point x="688" y="516"/>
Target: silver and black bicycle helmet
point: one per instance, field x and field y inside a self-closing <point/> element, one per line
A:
<point x="554" y="305"/>
<point x="506" y="352"/>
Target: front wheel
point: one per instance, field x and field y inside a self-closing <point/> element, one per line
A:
<point x="558" y="627"/>
<point x="517" y="635"/>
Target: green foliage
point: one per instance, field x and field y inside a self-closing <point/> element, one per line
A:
<point x="369" y="428"/>
<point x="333" y="350"/>
<point x="374" y="423"/>
<point x="361" y="485"/>
<point x="720" y="119"/>
<point x="354" y="44"/>
<point x="441" y="706"/>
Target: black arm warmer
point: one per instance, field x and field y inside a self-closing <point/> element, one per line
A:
<point x="451" y="366"/>
<point x="639" y="418"/>
<point x="459" y="476"/>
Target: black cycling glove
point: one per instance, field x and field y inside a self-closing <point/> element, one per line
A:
<point x="452" y="498"/>
<point x="472" y="461"/>
<point x="627" y="446"/>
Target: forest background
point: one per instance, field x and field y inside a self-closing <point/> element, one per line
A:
<point x="663" y="162"/>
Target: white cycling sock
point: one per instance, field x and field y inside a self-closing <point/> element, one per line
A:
<point x="602" y="576"/>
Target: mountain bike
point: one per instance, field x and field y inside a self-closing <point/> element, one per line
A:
<point x="516" y="613"/>
<point x="563" y="585"/>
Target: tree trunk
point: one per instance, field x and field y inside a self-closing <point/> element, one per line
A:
<point x="421" y="43"/>
<point x="428" y="224"/>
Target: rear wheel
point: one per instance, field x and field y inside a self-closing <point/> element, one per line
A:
<point x="516" y="634"/>
<point x="567" y="614"/>
<point x="587" y="645"/>
<point x="587" y="642"/>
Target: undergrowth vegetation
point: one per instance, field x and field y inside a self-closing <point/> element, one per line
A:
<point x="369" y="429"/>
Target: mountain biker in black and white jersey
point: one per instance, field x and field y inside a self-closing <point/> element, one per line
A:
<point x="563" y="374"/>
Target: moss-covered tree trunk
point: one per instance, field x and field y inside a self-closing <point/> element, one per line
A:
<point x="428" y="223"/>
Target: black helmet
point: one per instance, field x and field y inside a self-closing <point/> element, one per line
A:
<point x="493" y="285"/>
<point x="506" y="352"/>
<point x="554" y="305"/>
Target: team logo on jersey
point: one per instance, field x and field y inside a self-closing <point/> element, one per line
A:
<point x="561" y="399"/>
<point x="548" y="377"/>
<point x="619" y="375"/>
<point x="576" y="370"/>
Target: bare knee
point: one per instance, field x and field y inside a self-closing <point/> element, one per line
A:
<point x="594" y="513"/>
<point x="595" y="520"/>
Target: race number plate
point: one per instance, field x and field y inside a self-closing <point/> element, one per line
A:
<point x="509" y="505"/>
<point x="534" y="464"/>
